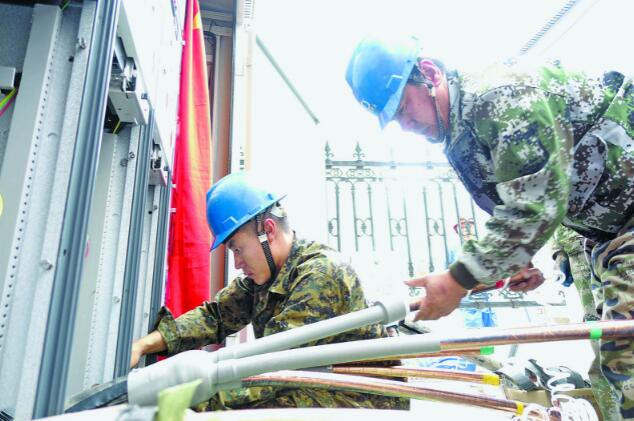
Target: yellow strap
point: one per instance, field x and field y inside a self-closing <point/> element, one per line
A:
<point x="490" y="378"/>
<point x="520" y="408"/>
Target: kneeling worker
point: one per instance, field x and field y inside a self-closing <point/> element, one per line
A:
<point x="288" y="282"/>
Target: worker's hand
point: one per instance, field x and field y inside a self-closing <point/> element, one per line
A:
<point x="442" y="295"/>
<point x="149" y="344"/>
<point x="527" y="279"/>
<point x="136" y="353"/>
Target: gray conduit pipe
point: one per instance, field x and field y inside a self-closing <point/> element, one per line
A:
<point x="144" y="384"/>
<point x="379" y="313"/>
<point x="230" y="371"/>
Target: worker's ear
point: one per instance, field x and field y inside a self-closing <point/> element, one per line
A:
<point x="270" y="228"/>
<point x="431" y="72"/>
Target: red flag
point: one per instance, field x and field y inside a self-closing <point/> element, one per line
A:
<point x="188" y="276"/>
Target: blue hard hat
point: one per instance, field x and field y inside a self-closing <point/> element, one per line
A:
<point x="233" y="201"/>
<point x="378" y="71"/>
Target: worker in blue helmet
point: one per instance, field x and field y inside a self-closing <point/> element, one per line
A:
<point x="536" y="147"/>
<point x="232" y="204"/>
<point x="394" y="80"/>
<point x="391" y="79"/>
<point x="286" y="282"/>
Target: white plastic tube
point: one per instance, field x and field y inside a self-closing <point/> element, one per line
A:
<point x="144" y="384"/>
<point x="315" y="356"/>
<point x="379" y="313"/>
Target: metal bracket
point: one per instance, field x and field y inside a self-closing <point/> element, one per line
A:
<point x="130" y="104"/>
<point x="7" y="77"/>
<point x="158" y="175"/>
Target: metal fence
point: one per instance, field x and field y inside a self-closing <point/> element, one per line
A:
<point x="418" y="210"/>
<point x="417" y="215"/>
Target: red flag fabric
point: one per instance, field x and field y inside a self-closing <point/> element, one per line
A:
<point x="188" y="276"/>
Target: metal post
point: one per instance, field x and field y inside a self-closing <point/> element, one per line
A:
<point x="389" y="217"/>
<point x="455" y="202"/>
<point x="61" y="318"/>
<point x="337" y="204"/>
<point x="443" y="222"/>
<point x="354" y="215"/>
<point x="431" y="257"/>
<point x="131" y="275"/>
<point x="158" y="276"/>
<point x="475" y="223"/>
<point x="371" y="215"/>
<point x="410" y="265"/>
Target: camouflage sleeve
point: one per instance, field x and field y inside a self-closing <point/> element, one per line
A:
<point x="556" y="245"/>
<point x="208" y="323"/>
<point x="568" y="240"/>
<point x="316" y="296"/>
<point x="530" y="142"/>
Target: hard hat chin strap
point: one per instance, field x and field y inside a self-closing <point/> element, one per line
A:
<point x="264" y="242"/>
<point x="442" y="133"/>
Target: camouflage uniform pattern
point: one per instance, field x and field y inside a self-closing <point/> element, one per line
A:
<point x="567" y="244"/>
<point x="540" y="148"/>
<point x="613" y="266"/>
<point x="314" y="284"/>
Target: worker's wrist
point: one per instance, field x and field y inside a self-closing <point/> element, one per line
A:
<point x="151" y="343"/>
<point x="462" y="276"/>
<point x="141" y="346"/>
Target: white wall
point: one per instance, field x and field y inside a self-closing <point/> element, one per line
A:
<point x="288" y="149"/>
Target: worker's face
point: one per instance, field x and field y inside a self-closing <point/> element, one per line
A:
<point x="416" y="112"/>
<point x="248" y="254"/>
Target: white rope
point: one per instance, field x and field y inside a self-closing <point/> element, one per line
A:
<point x="564" y="407"/>
<point x="569" y="408"/>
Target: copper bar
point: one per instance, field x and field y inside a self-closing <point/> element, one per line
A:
<point x="469" y="351"/>
<point x="567" y="332"/>
<point x="383" y="387"/>
<point x="429" y="373"/>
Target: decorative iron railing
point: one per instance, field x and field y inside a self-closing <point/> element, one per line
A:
<point x="417" y="213"/>
<point x="386" y="193"/>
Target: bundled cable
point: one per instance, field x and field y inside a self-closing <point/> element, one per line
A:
<point x="7" y="100"/>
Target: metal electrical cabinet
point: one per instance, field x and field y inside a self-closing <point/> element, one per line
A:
<point x="86" y="145"/>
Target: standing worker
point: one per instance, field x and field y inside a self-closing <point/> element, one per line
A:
<point x="288" y="282"/>
<point x="535" y="150"/>
<point x="570" y="254"/>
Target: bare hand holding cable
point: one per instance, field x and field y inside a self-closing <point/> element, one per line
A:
<point x="442" y="295"/>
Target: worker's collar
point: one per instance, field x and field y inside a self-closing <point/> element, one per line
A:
<point x="453" y="85"/>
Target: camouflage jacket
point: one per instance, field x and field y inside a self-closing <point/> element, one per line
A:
<point x="314" y="284"/>
<point x="566" y="241"/>
<point x="537" y="149"/>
